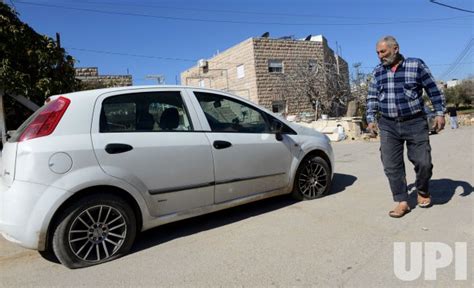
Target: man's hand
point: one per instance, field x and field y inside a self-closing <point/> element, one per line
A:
<point x="439" y="123"/>
<point x="372" y="127"/>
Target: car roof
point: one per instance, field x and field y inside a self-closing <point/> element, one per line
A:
<point x="97" y="92"/>
<point x="92" y="95"/>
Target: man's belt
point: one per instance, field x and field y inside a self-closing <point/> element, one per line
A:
<point x="404" y="118"/>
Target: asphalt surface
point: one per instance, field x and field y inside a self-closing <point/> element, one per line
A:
<point x="345" y="239"/>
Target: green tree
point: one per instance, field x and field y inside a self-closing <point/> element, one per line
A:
<point x="31" y="65"/>
<point x="462" y="93"/>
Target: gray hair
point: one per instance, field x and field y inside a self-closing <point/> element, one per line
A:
<point x="390" y="40"/>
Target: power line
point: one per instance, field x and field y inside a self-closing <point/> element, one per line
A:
<point x="195" y="60"/>
<point x="144" y="56"/>
<point x="459" y="59"/>
<point x="131" y="55"/>
<point x="13" y="5"/>
<point x="232" y="21"/>
<point x="459" y="66"/>
<point x="135" y="4"/>
<point x="452" y="7"/>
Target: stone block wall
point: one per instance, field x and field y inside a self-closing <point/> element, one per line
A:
<point x="91" y="78"/>
<point x="263" y="87"/>
<point x="221" y="72"/>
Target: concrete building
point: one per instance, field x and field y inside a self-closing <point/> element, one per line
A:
<point x="283" y="75"/>
<point x="91" y="78"/>
<point x="453" y="83"/>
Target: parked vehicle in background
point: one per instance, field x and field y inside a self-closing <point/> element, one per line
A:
<point x="90" y="169"/>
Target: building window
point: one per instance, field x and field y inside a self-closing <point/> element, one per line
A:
<point x="313" y="66"/>
<point x="240" y="71"/>
<point x="275" y="66"/>
<point x="201" y="83"/>
<point x="279" y="107"/>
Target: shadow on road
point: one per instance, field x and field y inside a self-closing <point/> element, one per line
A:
<point x="198" y="224"/>
<point x="340" y="182"/>
<point x="168" y="232"/>
<point x="171" y="231"/>
<point x="183" y="228"/>
<point x="443" y="190"/>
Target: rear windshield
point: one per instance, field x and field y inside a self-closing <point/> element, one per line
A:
<point x="15" y="135"/>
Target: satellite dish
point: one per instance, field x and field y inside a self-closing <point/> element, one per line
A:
<point x="266" y="35"/>
<point x="308" y="38"/>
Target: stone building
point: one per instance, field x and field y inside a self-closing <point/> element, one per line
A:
<point x="287" y="76"/>
<point x="91" y="79"/>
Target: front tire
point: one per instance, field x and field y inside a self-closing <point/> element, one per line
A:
<point x="313" y="179"/>
<point x="96" y="229"/>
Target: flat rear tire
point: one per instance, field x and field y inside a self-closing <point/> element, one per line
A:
<point x="95" y="229"/>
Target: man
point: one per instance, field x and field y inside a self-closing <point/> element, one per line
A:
<point x="395" y="92"/>
<point x="453" y="117"/>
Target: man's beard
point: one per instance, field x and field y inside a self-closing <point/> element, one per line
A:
<point x="390" y="60"/>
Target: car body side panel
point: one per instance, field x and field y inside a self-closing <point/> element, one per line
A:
<point x="174" y="168"/>
<point x="255" y="163"/>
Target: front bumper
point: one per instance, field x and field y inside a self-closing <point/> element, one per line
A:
<point x="26" y="211"/>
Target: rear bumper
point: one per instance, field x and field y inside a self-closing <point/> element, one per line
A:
<point x="26" y="211"/>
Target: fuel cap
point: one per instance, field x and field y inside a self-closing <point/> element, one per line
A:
<point x="60" y="162"/>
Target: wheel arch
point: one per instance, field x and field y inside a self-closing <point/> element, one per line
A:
<point x="314" y="152"/>
<point x="319" y="153"/>
<point x="107" y="189"/>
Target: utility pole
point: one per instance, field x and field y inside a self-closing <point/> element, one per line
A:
<point x="357" y="67"/>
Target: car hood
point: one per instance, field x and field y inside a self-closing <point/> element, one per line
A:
<point x="302" y="130"/>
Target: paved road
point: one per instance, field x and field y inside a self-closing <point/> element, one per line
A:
<point x="343" y="240"/>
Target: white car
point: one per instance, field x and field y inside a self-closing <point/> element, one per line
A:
<point x="89" y="170"/>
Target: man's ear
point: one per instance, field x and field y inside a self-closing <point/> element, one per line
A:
<point x="397" y="49"/>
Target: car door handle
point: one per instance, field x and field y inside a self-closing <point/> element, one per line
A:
<point x="219" y="144"/>
<point x="116" y="148"/>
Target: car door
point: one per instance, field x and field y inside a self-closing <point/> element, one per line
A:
<point x="149" y="140"/>
<point x="248" y="159"/>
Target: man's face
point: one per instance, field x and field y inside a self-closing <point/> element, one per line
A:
<point x="387" y="54"/>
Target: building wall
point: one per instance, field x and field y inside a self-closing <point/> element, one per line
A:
<point x="221" y="72"/>
<point x="265" y="88"/>
<point x="91" y="78"/>
<point x="281" y="86"/>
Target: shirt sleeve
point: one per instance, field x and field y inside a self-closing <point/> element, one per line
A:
<point x="372" y="100"/>
<point x="435" y="95"/>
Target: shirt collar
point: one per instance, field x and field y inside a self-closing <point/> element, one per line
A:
<point x="401" y="64"/>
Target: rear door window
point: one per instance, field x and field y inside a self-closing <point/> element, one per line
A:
<point x="145" y="112"/>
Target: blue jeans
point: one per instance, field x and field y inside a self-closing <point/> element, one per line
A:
<point x="454" y="122"/>
<point x="393" y="136"/>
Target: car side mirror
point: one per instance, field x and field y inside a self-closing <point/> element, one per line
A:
<point x="277" y="127"/>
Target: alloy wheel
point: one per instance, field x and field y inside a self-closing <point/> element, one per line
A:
<point x="313" y="180"/>
<point x="97" y="233"/>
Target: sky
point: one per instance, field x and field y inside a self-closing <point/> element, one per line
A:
<point x="167" y="37"/>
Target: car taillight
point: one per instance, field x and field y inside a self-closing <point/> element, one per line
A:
<point x="46" y="121"/>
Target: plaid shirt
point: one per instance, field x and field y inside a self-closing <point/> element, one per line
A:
<point x="399" y="93"/>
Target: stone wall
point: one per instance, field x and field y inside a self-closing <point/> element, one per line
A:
<point x="262" y="87"/>
<point x="296" y="55"/>
<point x="221" y="72"/>
<point x="90" y="77"/>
